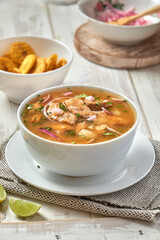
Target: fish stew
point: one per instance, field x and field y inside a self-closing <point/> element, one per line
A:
<point x="78" y="115"/>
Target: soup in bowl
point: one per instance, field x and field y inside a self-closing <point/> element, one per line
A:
<point x="78" y="130"/>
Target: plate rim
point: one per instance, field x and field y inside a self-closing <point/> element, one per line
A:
<point x="18" y="134"/>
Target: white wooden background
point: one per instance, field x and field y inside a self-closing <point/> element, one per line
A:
<point x="31" y="17"/>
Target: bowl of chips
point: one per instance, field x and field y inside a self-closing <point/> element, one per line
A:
<point x="29" y="64"/>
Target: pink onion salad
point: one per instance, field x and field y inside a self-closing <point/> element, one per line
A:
<point x="112" y="10"/>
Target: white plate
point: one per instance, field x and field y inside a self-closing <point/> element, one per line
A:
<point x="139" y="162"/>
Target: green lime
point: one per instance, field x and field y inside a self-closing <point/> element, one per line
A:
<point x="23" y="208"/>
<point x="3" y="194"/>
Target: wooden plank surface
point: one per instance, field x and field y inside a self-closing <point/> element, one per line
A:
<point x="84" y="229"/>
<point x="142" y="86"/>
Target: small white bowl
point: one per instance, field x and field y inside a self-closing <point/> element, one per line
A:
<point x="122" y="35"/>
<point x="18" y="86"/>
<point x="78" y="159"/>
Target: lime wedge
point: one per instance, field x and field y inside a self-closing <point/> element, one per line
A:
<point x="3" y="194"/>
<point x="23" y="208"/>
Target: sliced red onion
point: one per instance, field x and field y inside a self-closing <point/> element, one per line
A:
<point x="46" y="98"/>
<point x="48" y="133"/>
<point x="90" y="98"/>
<point x="113" y="130"/>
<point x="58" y="111"/>
<point x="92" y="140"/>
<point x="45" y="107"/>
<point x="92" y="118"/>
<point x="45" y="111"/>
<point x="67" y="93"/>
<point x="118" y="99"/>
<point x="105" y="110"/>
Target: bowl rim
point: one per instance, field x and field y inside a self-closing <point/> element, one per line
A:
<point x="80" y="2"/>
<point x="32" y="96"/>
<point x="44" y="38"/>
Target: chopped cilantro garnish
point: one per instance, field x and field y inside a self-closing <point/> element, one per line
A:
<point x="109" y="103"/>
<point x="40" y="109"/>
<point x="49" y="113"/>
<point x="97" y="103"/>
<point x="25" y="121"/>
<point x="97" y="98"/>
<point x="63" y="107"/>
<point x="115" y="4"/>
<point x="41" y="100"/>
<point x="83" y="95"/>
<point x="24" y="114"/>
<point x="69" y="89"/>
<point x="73" y="142"/>
<point x="124" y="100"/>
<point x="78" y="115"/>
<point x="38" y="95"/>
<point x="47" y="128"/>
<point x="81" y="135"/>
<point x="29" y="106"/>
<point x="109" y="134"/>
<point x="118" y="5"/>
<point x="125" y="110"/>
<point x="70" y="132"/>
<point x="119" y="106"/>
<point x="108" y="96"/>
<point x="44" y="118"/>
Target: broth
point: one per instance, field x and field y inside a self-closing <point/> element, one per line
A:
<point x="78" y="115"/>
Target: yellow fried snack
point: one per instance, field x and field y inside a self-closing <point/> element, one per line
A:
<point x="6" y="64"/>
<point x="19" y="50"/>
<point x="61" y="63"/>
<point x="16" y="70"/>
<point x="51" y="62"/>
<point x="39" y="66"/>
<point x="7" y="55"/>
<point x="27" y="63"/>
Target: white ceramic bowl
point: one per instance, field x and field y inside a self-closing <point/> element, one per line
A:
<point x="78" y="159"/>
<point x="122" y="35"/>
<point x="18" y="86"/>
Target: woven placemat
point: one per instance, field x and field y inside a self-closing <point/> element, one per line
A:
<point x="96" y="49"/>
<point x="140" y="201"/>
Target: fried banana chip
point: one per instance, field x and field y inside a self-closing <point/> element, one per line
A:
<point x="27" y="63"/>
<point x="19" y="50"/>
<point x="6" y="64"/>
<point x="16" y="70"/>
<point x="61" y="63"/>
<point x="39" y="66"/>
<point x="51" y="62"/>
<point x="7" y="55"/>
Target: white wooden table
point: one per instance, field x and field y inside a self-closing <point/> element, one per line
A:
<point x="143" y="86"/>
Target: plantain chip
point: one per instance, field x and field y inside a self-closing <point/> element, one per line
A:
<point x="6" y="64"/>
<point x="61" y="63"/>
<point x="27" y="63"/>
<point x="16" y="70"/>
<point x="19" y="50"/>
<point x="39" y="66"/>
<point x="7" y="55"/>
<point x="51" y="62"/>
